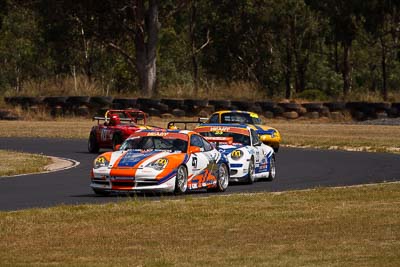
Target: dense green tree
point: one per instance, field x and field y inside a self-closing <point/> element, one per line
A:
<point x="381" y="21"/>
<point x="134" y="46"/>
<point x="19" y="49"/>
<point x="343" y="16"/>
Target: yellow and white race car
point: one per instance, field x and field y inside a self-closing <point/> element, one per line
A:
<point x="268" y="135"/>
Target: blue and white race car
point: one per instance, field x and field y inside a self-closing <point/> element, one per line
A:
<point x="249" y="158"/>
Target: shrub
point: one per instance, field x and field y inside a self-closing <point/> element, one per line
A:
<point x="312" y="94"/>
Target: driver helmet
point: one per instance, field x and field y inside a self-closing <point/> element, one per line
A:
<point x="115" y="120"/>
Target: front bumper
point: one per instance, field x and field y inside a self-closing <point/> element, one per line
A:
<point x="143" y="180"/>
<point x="238" y="173"/>
<point x="268" y="139"/>
<point x="132" y="185"/>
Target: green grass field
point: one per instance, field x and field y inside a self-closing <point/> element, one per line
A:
<point x="324" y="227"/>
<point x="12" y="163"/>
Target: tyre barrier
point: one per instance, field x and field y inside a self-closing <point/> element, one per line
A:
<point x="124" y="103"/>
<point x="7" y="115"/>
<point x="242" y="105"/>
<point x="311" y="107"/>
<point x="173" y="103"/>
<point x="100" y="101"/>
<point x="53" y="101"/>
<point x="88" y="106"/>
<point x="290" y="106"/>
<point x="267" y="105"/>
<point x="335" y="106"/>
<point x="220" y="104"/>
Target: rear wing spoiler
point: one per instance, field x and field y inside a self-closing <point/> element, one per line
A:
<point x="171" y="124"/>
<point x="217" y="140"/>
<point x="104" y="118"/>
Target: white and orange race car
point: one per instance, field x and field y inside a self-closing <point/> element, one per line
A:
<point x="162" y="161"/>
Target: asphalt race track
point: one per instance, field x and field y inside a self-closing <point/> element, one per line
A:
<point x="296" y="169"/>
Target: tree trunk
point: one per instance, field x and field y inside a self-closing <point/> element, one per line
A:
<point x="195" y="67"/>
<point x="146" y="40"/>
<point x="337" y="68"/>
<point x="347" y="69"/>
<point x="384" y="70"/>
<point x="288" y="70"/>
<point x="301" y="78"/>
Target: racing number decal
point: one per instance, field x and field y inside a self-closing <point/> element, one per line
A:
<point x="194" y="162"/>
<point x="104" y="134"/>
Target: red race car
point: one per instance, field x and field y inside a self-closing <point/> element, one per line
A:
<point x="118" y="125"/>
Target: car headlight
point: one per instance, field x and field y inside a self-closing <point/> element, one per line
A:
<point x="159" y="164"/>
<point x="273" y="134"/>
<point x="101" y="162"/>
<point x="236" y="154"/>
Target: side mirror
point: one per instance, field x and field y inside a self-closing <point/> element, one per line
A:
<point x="194" y="149"/>
<point x="257" y="144"/>
<point x="117" y="147"/>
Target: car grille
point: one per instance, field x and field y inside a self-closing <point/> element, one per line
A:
<point x="125" y="184"/>
<point x="101" y="182"/>
<point x="133" y="183"/>
<point x="233" y="172"/>
<point x="152" y="183"/>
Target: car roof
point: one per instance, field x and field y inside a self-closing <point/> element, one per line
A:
<point x="230" y="125"/>
<point x="234" y="111"/>
<point x="165" y="131"/>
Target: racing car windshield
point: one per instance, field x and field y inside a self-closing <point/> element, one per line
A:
<point x="155" y="143"/>
<point x="237" y="138"/>
<point x="242" y="118"/>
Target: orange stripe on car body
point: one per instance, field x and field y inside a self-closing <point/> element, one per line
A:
<point x="174" y="161"/>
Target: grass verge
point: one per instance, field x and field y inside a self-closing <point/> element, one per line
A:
<point x="375" y="138"/>
<point x="301" y="133"/>
<point x="357" y="226"/>
<point x="13" y="163"/>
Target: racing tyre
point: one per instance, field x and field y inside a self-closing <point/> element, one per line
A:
<point x="276" y="148"/>
<point x="101" y="192"/>
<point x="272" y="170"/>
<point x="252" y="172"/>
<point x="93" y="146"/>
<point x="222" y="179"/>
<point x="116" y="140"/>
<point x="181" y="180"/>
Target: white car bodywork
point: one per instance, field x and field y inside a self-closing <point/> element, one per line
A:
<point x="243" y="148"/>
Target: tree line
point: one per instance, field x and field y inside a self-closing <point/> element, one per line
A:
<point x="285" y="47"/>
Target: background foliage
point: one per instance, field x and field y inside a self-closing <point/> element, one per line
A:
<point x="288" y="48"/>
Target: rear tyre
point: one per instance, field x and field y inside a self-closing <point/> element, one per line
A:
<point x="116" y="140"/>
<point x="272" y="170"/>
<point x="252" y="172"/>
<point x="93" y="146"/>
<point x="181" y="180"/>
